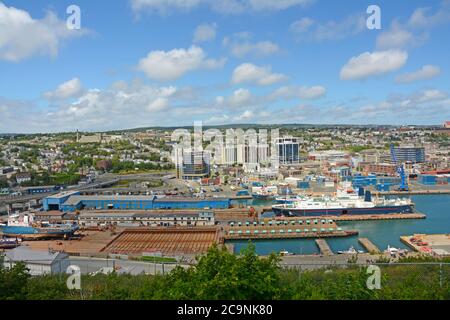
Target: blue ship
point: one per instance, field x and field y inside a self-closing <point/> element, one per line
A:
<point x="22" y="226"/>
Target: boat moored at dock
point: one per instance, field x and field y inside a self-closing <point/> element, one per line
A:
<point x="345" y="202"/>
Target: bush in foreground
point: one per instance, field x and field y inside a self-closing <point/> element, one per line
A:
<point x="222" y="275"/>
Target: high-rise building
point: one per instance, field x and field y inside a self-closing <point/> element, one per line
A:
<point x="192" y="164"/>
<point x="409" y="154"/>
<point x="288" y="150"/>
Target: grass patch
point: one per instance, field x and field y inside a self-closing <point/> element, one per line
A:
<point x="158" y="259"/>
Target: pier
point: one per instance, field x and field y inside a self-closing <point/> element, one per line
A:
<point x="364" y="217"/>
<point x="390" y="216"/>
<point x="287" y="235"/>
<point x="323" y="247"/>
<point x="411" y="192"/>
<point x="284" y="229"/>
<point x="436" y="245"/>
<point x="369" y="246"/>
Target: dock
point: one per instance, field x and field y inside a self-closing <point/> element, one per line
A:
<point x="323" y="247"/>
<point x="284" y="228"/>
<point x="369" y="246"/>
<point x="390" y="216"/>
<point x="436" y="245"/>
<point x="363" y="217"/>
<point x="411" y="192"/>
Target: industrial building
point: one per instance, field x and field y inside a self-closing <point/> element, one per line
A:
<point x="69" y="202"/>
<point x="388" y="169"/>
<point x="55" y="202"/>
<point x="137" y="219"/>
<point x="37" y="262"/>
<point x="40" y="189"/>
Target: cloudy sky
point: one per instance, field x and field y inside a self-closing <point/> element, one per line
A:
<point x="138" y="63"/>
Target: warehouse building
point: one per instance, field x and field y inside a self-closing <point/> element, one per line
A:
<point x="56" y="201"/>
<point x="37" y="262"/>
<point x="125" y="219"/>
<point x="74" y="201"/>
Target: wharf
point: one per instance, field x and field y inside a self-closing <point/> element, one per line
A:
<point x="369" y="246"/>
<point x="390" y="216"/>
<point x="284" y="229"/>
<point x="362" y="217"/>
<point x="240" y="197"/>
<point x="292" y="235"/>
<point x="323" y="247"/>
<point x="429" y="244"/>
<point x="412" y="192"/>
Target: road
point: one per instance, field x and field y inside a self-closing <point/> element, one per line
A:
<point x="320" y="261"/>
<point x="88" y="265"/>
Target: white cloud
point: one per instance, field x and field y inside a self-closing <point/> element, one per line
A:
<point x="307" y="29"/>
<point x="302" y="25"/>
<point x="398" y="37"/>
<point x="173" y="64"/>
<point x="424" y="73"/>
<point x="240" y="98"/>
<point x="21" y="36"/>
<point x="240" y="46"/>
<point x="370" y="64"/>
<point x="430" y="95"/>
<point x="277" y="5"/>
<point x="205" y="32"/>
<point x="246" y="115"/>
<point x="250" y="73"/>
<point x="416" y="30"/>
<point x="164" y="6"/>
<point x="300" y="92"/>
<point x="122" y="105"/>
<point x="68" y="89"/>
<point x="422" y="18"/>
<point x="219" y="6"/>
<point x="158" y="104"/>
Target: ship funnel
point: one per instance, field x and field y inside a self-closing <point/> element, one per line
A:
<point x="368" y="196"/>
<point x="361" y="192"/>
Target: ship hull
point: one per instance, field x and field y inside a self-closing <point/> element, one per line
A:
<point x="263" y="197"/>
<point x="280" y="211"/>
<point x="31" y="233"/>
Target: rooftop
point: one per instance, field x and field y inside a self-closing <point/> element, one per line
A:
<point x="64" y="194"/>
<point x="25" y="254"/>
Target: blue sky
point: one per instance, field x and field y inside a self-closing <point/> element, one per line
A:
<point x="170" y="62"/>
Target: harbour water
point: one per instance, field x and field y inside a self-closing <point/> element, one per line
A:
<point x="381" y="232"/>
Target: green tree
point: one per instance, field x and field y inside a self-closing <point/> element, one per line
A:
<point x="223" y="275"/>
<point x="13" y="282"/>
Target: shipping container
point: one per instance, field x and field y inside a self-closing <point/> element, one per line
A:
<point x="303" y="184"/>
<point x="427" y="179"/>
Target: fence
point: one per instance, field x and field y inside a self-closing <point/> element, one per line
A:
<point x="92" y="266"/>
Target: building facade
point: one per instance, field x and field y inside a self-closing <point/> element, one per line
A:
<point x="288" y="150"/>
<point x="409" y="154"/>
<point x="96" y="219"/>
<point x="191" y="164"/>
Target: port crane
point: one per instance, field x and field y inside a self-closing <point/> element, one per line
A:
<point x="400" y="170"/>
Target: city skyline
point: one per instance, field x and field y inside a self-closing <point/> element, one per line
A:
<point x="144" y="63"/>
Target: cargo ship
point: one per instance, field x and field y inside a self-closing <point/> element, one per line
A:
<point x="345" y="202"/>
<point x="22" y="226"/>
